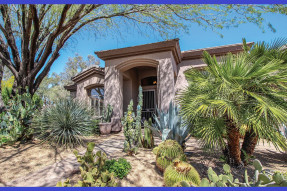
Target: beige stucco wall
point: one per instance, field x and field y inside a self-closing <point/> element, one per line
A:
<point x="181" y="82"/>
<point x="82" y="91"/>
<point x="166" y="70"/>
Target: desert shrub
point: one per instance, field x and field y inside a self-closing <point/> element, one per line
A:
<point x="64" y="123"/>
<point x="179" y="171"/>
<point x="120" y="167"/>
<point x="16" y="121"/>
<point x="166" y="152"/>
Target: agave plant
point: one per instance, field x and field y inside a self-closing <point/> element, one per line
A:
<point x="169" y="125"/>
<point x="64" y="123"/>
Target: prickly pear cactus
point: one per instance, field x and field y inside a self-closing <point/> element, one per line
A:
<point x="92" y="173"/>
<point x="261" y="178"/>
<point x="132" y="127"/>
<point x="179" y="171"/>
<point x="166" y="152"/>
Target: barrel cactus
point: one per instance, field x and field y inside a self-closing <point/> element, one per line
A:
<point x="166" y="152"/>
<point x="179" y="171"/>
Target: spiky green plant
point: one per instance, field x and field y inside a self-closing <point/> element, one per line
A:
<point x="64" y="123"/>
<point x="166" y="152"/>
<point x="179" y="171"/>
<point x="244" y="89"/>
<point x="132" y="126"/>
<point x="169" y="125"/>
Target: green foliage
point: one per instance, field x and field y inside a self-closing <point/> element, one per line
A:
<point x="92" y="170"/>
<point x="226" y="89"/>
<point x="107" y="114"/>
<point x="166" y="152"/>
<point x="147" y="139"/>
<point x="120" y="167"/>
<point x="132" y="126"/>
<point x="169" y="125"/>
<point x="179" y="171"/>
<point x="16" y="120"/>
<point x="261" y="178"/>
<point x="6" y="87"/>
<point x="95" y="127"/>
<point x="64" y="123"/>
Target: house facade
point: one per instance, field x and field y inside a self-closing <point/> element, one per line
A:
<point x="157" y="67"/>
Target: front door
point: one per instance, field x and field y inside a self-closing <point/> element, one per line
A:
<point x="149" y="104"/>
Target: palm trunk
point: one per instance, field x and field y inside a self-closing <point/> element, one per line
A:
<point x="248" y="146"/>
<point x="233" y="144"/>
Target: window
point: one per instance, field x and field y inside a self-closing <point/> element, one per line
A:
<point x="97" y="100"/>
<point x="149" y="81"/>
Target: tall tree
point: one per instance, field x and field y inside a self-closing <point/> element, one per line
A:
<point x="32" y="36"/>
<point x="245" y="90"/>
<point x="52" y="87"/>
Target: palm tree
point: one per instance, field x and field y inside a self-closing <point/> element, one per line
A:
<point x="244" y="90"/>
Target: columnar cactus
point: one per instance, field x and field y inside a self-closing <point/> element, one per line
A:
<point x="147" y="140"/>
<point x="166" y="152"/>
<point x="179" y="171"/>
<point x="132" y="126"/>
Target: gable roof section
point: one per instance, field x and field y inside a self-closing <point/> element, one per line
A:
<point x="169" y="45"/>
<point x="217" y="51"/>
<point x="88" y="72"/>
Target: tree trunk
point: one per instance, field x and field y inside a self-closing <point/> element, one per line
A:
<point x="2" y="106"/>
<point x="233" y="144"/>
<point x="248" y="146"/>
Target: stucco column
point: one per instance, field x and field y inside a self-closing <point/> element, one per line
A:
<point x="166" y="86"/>
<point x="113" y="90"/>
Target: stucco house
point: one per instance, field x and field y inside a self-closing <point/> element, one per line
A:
<point x="157" y="67"/>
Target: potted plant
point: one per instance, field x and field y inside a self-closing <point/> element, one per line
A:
<point x="105" y="125"/>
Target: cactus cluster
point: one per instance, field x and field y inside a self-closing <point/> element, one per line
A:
<point x="147" y="139"/>
<point x="166" y="152"/>
<point x="179" y="171"/>
<point x="261" y="178"/>
<point x="169" y="125"/>
<point x="132" y="126"/>
<point x="107" y="114"/>
<point x="92" y="173"/>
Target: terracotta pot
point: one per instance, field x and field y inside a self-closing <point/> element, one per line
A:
<point x="105" y="128"/>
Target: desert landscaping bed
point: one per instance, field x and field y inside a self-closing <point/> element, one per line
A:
<point x="19" y="160"/>
<point x="32" y="156"/>
<point x="145" y="174"/>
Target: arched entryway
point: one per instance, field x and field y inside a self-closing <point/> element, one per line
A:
<point x="135" y="73"/>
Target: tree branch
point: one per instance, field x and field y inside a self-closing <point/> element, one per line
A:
<point x="8" y="33"/>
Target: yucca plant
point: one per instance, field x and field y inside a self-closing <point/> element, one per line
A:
<point x="244" y="89"/>
<point x="64" y="123"/>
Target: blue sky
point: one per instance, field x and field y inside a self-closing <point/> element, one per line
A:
<point x="86" y="43"/>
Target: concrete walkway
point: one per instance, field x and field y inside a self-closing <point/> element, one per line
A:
<point x="50" y="175"/>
